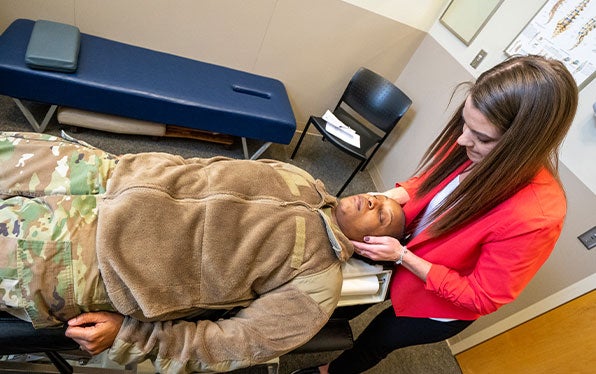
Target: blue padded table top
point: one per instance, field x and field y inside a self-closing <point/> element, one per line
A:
<point x="130" y="81"/>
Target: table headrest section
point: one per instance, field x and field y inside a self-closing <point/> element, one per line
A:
<point x="53" y="46"/>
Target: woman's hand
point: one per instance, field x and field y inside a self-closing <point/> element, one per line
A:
<point x="387" y="248"/>
<point x="379" y="248"/>
<point x="95" y="332"/>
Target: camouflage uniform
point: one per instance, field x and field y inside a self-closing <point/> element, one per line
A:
<point x="48" y="195"/>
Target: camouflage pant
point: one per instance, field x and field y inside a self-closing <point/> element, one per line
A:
<point x="48" y="218"/>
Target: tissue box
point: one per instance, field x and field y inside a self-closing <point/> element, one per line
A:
<point x="53" y="46"/>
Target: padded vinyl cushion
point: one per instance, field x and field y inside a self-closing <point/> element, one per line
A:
<point x="108" y="122"/>
<point x="144" y="84"/>
<point x="53" y="46"/>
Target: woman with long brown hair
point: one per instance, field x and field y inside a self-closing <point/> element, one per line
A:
<point x="483" y="212"/>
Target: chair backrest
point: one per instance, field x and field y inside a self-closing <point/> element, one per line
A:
<point x="376" y="99"/>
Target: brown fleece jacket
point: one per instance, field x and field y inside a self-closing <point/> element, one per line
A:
<point x="180" y="236"/>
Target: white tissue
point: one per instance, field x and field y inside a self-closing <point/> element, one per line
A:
<point x="356" y="268"/>
<point x="368" y="285"/>
<point x="337" y="128"/>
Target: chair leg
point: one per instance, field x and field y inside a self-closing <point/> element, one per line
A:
<point x="59" y="362"/>
<point x="350" y="178"/>
<point x="365" y="164"/>
<point x="372" y="155"/>
<point x="300" y="140"/>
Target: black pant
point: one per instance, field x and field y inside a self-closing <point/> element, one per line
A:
<point x="386" y="333"/>
<point x="18" y="336"/>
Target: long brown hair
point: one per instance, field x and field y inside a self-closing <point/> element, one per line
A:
<point x="532" y="100"/>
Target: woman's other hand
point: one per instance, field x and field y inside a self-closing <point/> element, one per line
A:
<point x="379" y="248"/>
<point x="387" y="248"/>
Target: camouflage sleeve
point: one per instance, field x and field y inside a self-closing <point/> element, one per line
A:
<point x="40" y="164"/>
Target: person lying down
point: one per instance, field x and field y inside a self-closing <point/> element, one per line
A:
<point x="137" y="252"/>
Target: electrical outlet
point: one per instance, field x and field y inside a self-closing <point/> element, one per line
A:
<point x="478" y="59"/>
<point x="588" y="238"/>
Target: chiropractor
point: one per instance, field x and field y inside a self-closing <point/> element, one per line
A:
<point x="483" y="212"/>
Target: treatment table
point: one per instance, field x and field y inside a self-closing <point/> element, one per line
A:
<point x="123" y="80"/>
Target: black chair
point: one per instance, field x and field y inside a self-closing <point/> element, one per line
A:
<point x="378" y="102"/>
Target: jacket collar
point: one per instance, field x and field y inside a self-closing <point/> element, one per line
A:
<point x="342" y="246"/>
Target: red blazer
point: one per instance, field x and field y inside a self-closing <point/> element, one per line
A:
<point x="485" y="264"/>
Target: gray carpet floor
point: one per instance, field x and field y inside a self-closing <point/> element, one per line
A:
<point x="318" y="158"/>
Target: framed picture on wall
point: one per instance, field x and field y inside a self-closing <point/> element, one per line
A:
<point x="564" y="30"/>
<point x="465" y="18"/>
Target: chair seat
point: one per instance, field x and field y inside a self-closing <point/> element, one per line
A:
<point x="336" y="335"/>
<point x="368" y="138"/>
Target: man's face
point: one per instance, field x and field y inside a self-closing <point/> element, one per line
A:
<point x="369" y="215"/>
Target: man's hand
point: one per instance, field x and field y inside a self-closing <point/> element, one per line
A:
<point x="95" y="332"/>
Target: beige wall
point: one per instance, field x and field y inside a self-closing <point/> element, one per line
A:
<point x="312" y="46"/>
<point x="420" y="14"/>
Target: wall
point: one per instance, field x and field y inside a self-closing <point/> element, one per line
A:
<point x="420" y="14"/>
